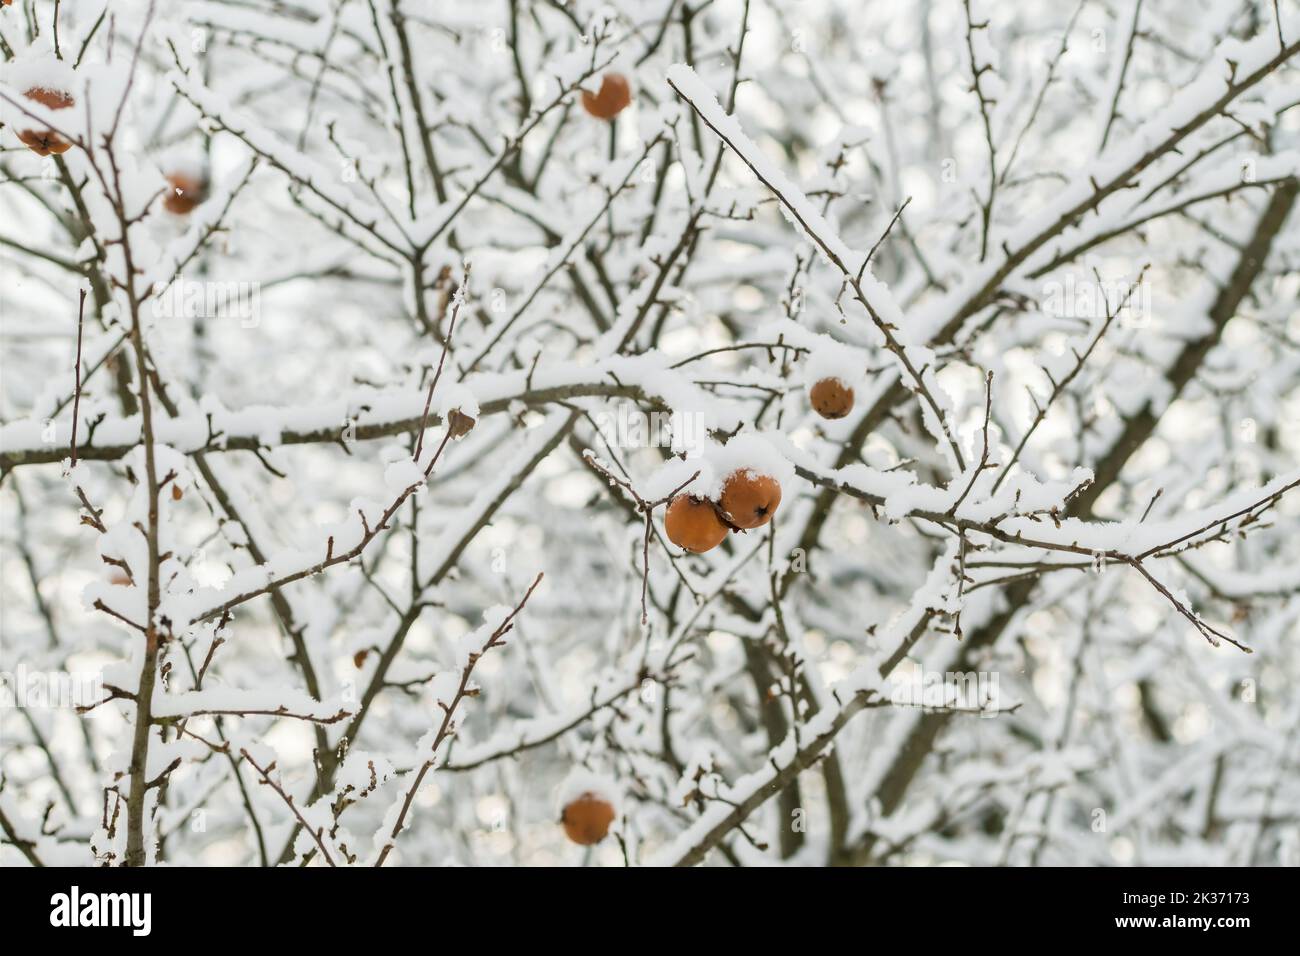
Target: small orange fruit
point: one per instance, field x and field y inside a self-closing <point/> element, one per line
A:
<point x="50" y="98"/>
<point x="184" y="193"/>
<point x="615" y="95"/>
<point x="587" y="818"/>
<point x="831" y="398"/>
<point x="43" y="142"/>
<point x="693" y="523"/>
<point x="750" y="499"/>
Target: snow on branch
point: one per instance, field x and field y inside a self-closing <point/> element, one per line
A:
<point x="664" y="434"/>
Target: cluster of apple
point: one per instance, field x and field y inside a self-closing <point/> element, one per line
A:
<point x="748" y="500"/>
<point x="43" y="142"/>
<point x="185" y="190"/>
